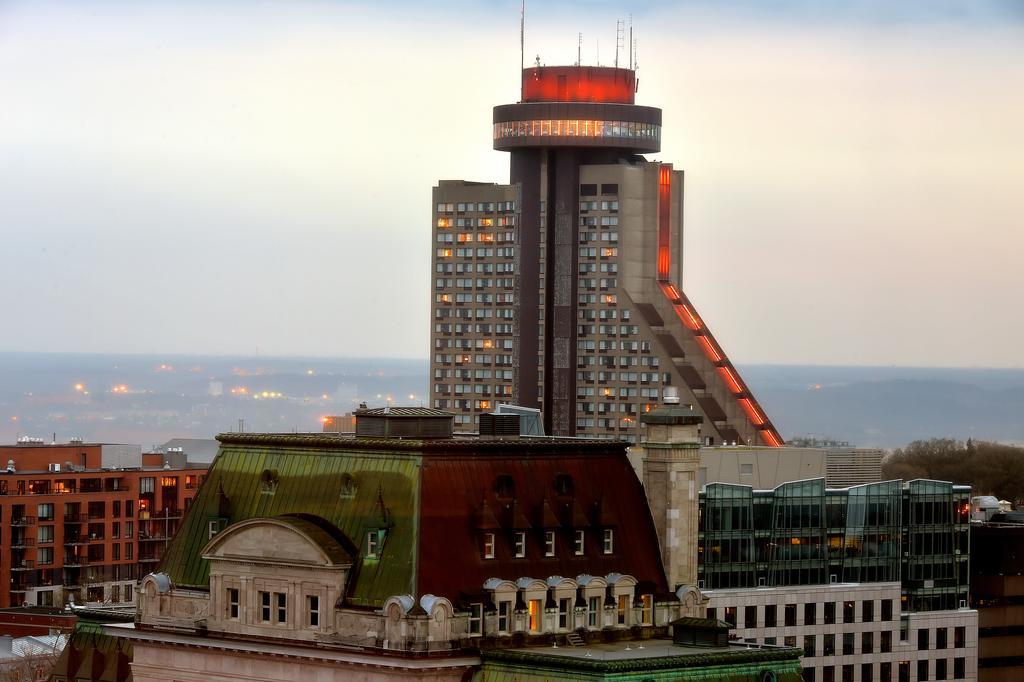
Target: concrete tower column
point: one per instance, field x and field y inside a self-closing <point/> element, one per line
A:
<point x="670" y="460"/>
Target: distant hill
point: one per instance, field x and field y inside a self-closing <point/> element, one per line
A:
<point x="166" y="397"/>
<point x="891" y="406"/>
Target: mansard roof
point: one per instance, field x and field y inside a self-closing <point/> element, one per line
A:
<point x="425" y="498"/>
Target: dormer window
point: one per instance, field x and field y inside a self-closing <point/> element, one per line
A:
<point x="549" y="543"/>
<point x="579" y="544"/>
<point x="374" y="543"/>
<point x="609" y="541"/>
<point x="519" y="544"/>
<point x="488" y="545"/>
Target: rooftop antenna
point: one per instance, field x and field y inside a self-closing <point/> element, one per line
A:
<point x="620" y="28"/>
<point x="597" y="41"/>
<point x="632" y="45"/>
<point x="522" y="46"/>
<point x="579" y="50"/>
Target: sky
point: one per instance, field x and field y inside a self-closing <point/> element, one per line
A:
<point x="233" y="177"/>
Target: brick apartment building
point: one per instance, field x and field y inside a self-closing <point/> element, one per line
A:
<point x="81" y="521"/>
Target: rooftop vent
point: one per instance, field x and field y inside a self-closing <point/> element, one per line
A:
<point x="499" y="425"/>
<point x="403" y="422"/>
<point x="671" y="396"/>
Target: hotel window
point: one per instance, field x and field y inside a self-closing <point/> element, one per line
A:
<point x="828" y="644"/>
<point x="264" y="607"/>
<point x="848" y="612"/>
<point x="959" y="668"/>
<point x="810" y="613"/>
<point x="940" y="669"/>
<point x="867" y="642"/>
<point x="504" y="609"/>
<point x="520" y="544"/>
<point x="830" y="613"/>
<point x="790" y="615"/>
<point x="609" y="541"/>
<point x="940" y="638"/>
<point x="922" y="671"/>
<point x="886" y="609"/>
<point x="885" y="642"/>
<point x="147" y="484"/>
<point x="771" y="615"/>
<point x="580" y="536"/>
<point x="750" y="616"/>
<point x="44" y="555"/>
<point x="959" y="637"/>
<point x="476" y="619"/>
<point x="848" y="643"/>
<point x="312" y="610"/>
<point x="233" y="603"/>
<point x="810" y="646"/>
<point x="622" y="609"/>
<point x="593" y="611"/>
<point x="282" y="610"/>
<point x="488" y="545"/>
<point x="549" y="543"/>
<point x="867" y="611"/>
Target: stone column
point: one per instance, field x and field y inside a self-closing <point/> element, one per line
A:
<point x="671" y="459"/>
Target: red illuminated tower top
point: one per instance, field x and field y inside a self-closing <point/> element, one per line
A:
<point x="599" y="84"/>
<point x="578" y="106"/>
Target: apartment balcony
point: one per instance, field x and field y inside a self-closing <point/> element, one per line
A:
<point x="23" y="521"/>
<point x="149" y="560"/>
<point x="22" y="543"/>
<point x="153" y="537"/>
<point x="74" y="518"/>
<point x="23" y="565"/>
<point x="75" y="541"/>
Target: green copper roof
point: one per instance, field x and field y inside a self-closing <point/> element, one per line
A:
<point x="356" y="490"/>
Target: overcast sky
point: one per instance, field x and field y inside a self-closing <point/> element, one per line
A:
<point x="242" y="177"/>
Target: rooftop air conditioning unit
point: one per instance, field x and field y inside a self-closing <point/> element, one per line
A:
<point x="53" y="466"/>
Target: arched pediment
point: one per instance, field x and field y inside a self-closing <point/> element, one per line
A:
<point x="280" y="539"/>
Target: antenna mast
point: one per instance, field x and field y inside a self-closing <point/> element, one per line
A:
<point x="631" y="43"/>
<point x="619" y="34"/>
<point x="522" y="48"/>
<point x="579" y="50"/>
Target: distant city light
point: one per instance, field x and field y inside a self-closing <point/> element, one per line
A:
<point x="120" y="388"/>
<point x="239" y="390"/>
<point x="165" y="368"/>
<point x="309" y="372"/>
<point x="79" y="387"/>
<point x="14" y="418"/>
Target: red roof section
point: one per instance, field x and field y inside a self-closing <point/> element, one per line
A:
<point x="604" y="489"/>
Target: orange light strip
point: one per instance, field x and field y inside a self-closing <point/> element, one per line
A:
<point x="709" y="349"/>
<point x="689" y="317"/>
<point x="771" y="439"/>
<point x="752" y="411"/>
<point x="665" y="222"/>
<point x="730" y="379"/>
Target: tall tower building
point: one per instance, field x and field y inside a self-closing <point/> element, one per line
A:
<point x="563" y="289"/>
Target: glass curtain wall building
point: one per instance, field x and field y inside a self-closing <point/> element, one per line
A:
<point x="802" y="533"/>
